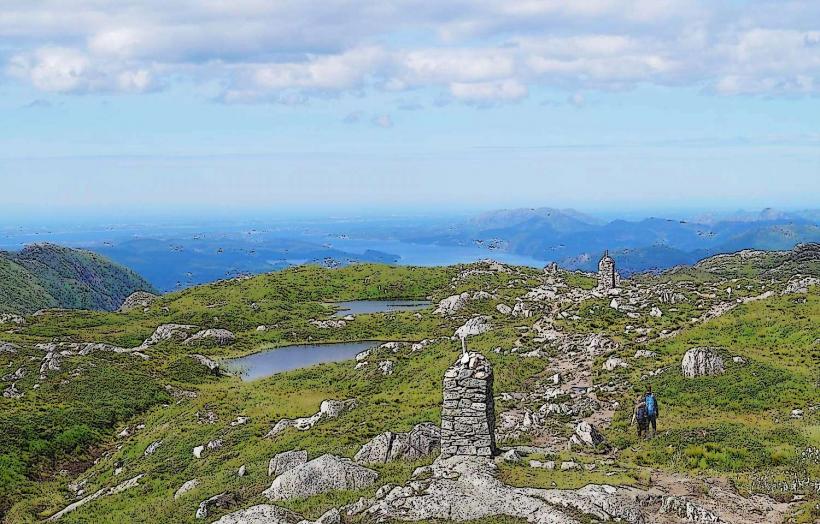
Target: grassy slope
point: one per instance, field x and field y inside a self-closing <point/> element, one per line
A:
<point x="742" y="415"/>
<point x="80" y="279"/>
<point x="20" y="290"/>
<point x="738" y="421"/>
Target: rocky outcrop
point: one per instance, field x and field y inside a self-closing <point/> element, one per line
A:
<point x="212" y="365"/>
<point x="320" y="475"/>
<point x="468" y="410"/>
<point x="138" y="299"/>
<point x="220" y="337"/>
<point x="586" y="435"/>
<point x="8" y="347"/>
<point x="12" y="391"/>
<point x="223" y="500"/>
<point x="152" y="447"/>
<point x="504" y="309"/>
<point x="702" y="361"/>
<point x="186" y="487"/>
<point x="327" y="324"/>
<point x="328" y="409"/>
<point x="168" y="332"/>
<point x="466" y="488"/>
<point x="419" y="442"/>
<point x="286" y="461"/>
<point x="688" y="510"/>
<point x="452" y="304"/>
<point x="613" y="363"/>
<point x="261" y="514"/>
<point x="474" y="326"/>
<point x="104" y="492"/>
<point x="11" y="318"/>
<point x="386" y="367"/>
<point x="800" y="284"/>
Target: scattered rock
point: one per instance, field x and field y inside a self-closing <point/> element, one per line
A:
<point x="104" y="492"/>
<point x="242" y="470"/>
<point x="474" y="326"/>
<point x="12" y="391"/>
<point x="320" y="475"/>
<point x="327" y="324"/>
<point x="656" y="312"/>
<point x="419" y="442"/>
<point x="701" y="361"/>
<point x="645" y="353"/>
<point x="386" y="367"/>
<point x="328" y="409"/>
<point x="8" y="347"/>
<point x="152" y="447"/>
<point x="260" y="514"/>
<point x="220" y="337"/>
<point x="586" y="435"/>
<point x="198" y="451"/>
<point x="452" y="304"/>
<point x="688" y="510"/>
<point x="212" y="365"/>
<point x="186" y="487"/>
<point x="223" y="500"/>
<point x="168" y="332"/>
<point x="613" y="363"/>
<point x="504" y="309"/>
<point x="138" y="299"/>
<point x="11" y="318"/>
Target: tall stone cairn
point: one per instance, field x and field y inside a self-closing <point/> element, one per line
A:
<point x="468" y="411"/>
<point x="608" y="278"/>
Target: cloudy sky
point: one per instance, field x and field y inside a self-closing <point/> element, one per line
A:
<point x="344" y="104"/>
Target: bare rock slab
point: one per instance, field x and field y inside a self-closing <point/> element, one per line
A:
<point x="320" y="475"/>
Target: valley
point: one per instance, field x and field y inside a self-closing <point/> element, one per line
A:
<point x="116" y="404"/>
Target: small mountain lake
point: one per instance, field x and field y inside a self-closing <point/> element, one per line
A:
<point x="363" y="307"/>
<point x="286" y="358"/>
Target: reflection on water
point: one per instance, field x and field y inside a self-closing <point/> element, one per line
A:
<point x="286" y="358"/>
<point x="359" y="307"/>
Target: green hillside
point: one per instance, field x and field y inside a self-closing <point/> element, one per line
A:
<point x="736" y="426"/>
<point x="46" y="276"/>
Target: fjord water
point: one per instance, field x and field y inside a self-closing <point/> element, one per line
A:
<point x="362" y="307"/>
<point x="286" y="358"/>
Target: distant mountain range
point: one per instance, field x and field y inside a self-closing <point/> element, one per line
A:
<point x="176" y="263"/>
<point x="576" y="241"/>
<point x="47" y="276"/>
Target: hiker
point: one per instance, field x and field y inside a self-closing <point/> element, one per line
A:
<point x="640" y="416"/>
<point x="651" y="409"/>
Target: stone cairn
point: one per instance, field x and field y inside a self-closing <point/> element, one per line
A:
<point x="468" y="412"/>
<point x="608" y="278"/>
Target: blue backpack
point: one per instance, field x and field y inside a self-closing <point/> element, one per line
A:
<point x="650" y="405"/>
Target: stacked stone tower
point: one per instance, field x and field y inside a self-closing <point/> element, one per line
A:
<point x="468" y="412"/>
<point x="608" y="278"/>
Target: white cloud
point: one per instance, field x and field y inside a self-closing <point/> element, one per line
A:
<point x="486" y="92"/>
<point x="52" y="69"/>
<point x="472" y="50"/>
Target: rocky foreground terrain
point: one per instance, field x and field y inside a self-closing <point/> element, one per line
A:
<point x="507" y="401"/>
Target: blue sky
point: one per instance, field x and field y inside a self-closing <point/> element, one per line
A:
<point x="603" y="105"/>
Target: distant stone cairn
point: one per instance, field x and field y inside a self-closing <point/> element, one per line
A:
<point x="468" y="412"/>
<point x="608" y="278"/>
